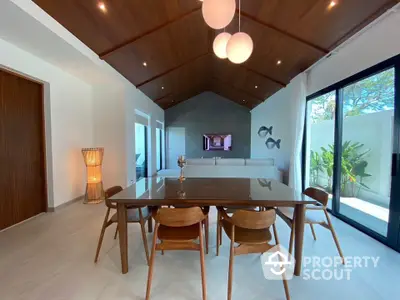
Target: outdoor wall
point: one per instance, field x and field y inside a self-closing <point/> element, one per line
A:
<point x="375" y="131"/>
<point x="211" y="113"/>
<point x="68" y="118"/>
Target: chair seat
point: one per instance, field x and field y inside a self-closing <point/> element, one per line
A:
<point x="247" y="236"/>
<point x="178" y="233"/>
<point x="133" y="215"/>
<point x="312" y="216"/>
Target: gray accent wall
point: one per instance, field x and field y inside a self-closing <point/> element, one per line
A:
<point x="211" y="113"/>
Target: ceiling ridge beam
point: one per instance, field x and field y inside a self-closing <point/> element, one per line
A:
<point x="292" y="36"/>
<point x="265" y="76"/>
<point x="108" y="52"/>
<point x="171" y="69"/>
<point x="239" y="89"/>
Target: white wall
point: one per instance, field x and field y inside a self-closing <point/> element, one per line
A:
<point x="276" y="112"/>
<point x="68" y="118"/>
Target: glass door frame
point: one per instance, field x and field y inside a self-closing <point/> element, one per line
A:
<point x="393" y="235"/>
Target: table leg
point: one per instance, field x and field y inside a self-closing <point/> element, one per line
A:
<point x="299" y="236"/>
<point x="123" y="236"/>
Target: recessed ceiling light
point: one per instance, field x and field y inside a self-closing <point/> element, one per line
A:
<point x="145" y="64"/>
<point x="244" y="100"/>
<point x="256" y="87"/>
<point x="332" y="4"/>
<point x="102" y="6"/>
<point x="278" y="62"/>
<point x="162" y="87"/>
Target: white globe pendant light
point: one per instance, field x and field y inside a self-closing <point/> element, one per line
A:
<point x="239" y="47"/>
<point x="219" y="45"/>
<point x="218" y="13"/>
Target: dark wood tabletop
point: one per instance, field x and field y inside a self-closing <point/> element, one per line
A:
<point x="158" y="191"/>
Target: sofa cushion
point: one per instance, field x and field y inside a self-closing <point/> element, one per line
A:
<point x="200" y="161"/>
<point x="230" y="162"/>
<point x="260" y="162"/>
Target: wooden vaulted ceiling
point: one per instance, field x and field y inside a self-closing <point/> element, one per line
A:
<point x="176" y="44"/>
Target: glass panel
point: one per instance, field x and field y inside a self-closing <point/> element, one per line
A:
<point x="159" y="148"/>
<point x="367" y="146"/>
<point x="141" y="150"/>
<point x="320" y="142"/>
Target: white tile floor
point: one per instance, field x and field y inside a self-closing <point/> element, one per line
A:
<point x="51" y="258"/>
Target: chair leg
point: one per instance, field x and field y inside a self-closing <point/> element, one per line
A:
<point x="313" y="232"/>
<point x="151" y="265"/>
<point x="103" y="229"/>
<point x="144" y="237"/>
<point x="334" y="235"/>
<point x="275" y="234"/>
<point x="285" y="286"/>
<point x="207" y="234"/>
<point x="116" y="232"/>
<point x="218" y="234"/>
<point x="202" y="263"/>
<point x="231" y="260"/>
<point x="291" y="239"/>
<point x="220" y="231"/>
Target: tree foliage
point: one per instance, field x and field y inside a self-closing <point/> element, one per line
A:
<point x="373" y="94"/>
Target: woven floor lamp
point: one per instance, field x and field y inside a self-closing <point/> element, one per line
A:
<point x="94" y="187"/>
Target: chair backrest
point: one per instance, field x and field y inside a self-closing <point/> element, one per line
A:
<point x="111" y="192"/>
<point x="253" y="219"/>
<point x="317" y="194"/>
<point x="179" y="217"/>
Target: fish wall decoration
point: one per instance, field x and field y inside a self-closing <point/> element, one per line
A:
<point x="264" y="131"/>
<point x="271" y="143"/>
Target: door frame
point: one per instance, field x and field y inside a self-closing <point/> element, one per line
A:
<point x="393" y="235"/>
<point x="43" y="133"/>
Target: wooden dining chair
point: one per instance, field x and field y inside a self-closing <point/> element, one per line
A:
<point x="135" y="214"/>
<point x="315" y="215"/>
<point x="228" y="210"/>
<point x="178" y="229"/>
<point x="251" y="230"/>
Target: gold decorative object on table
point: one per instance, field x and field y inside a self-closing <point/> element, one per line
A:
<point x="94" y="187"/>
<point x="181" y="164"/>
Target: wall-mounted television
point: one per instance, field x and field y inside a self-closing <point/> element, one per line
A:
<point x="217" y="142"/>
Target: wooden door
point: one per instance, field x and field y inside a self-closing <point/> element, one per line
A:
<point x="22" y="159"/>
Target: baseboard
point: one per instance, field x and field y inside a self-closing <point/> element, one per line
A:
<point x="64" y="205"/>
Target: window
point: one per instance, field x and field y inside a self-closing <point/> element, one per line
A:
<point x="141" y="150"/>
<point x="351" y="151"/>
<point x="159" y="139"/>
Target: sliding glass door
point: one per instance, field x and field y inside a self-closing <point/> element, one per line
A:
<point x="351" y="149"/>
<point x="141" y="150"/>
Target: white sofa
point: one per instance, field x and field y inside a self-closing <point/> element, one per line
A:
<point x="228" y="168"/>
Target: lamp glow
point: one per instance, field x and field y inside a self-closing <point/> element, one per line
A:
<point x="239" y="48"/>
<point x="94" y="186"/>
<point x="219" y="45"/>
<point x="218" y="13"/>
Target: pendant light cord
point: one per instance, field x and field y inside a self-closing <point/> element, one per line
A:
<point x="239" y="13"/>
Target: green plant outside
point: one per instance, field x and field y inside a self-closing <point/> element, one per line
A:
<point x="353" y="167"/>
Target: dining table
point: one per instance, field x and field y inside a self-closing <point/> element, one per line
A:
<point x="223" y="192"/>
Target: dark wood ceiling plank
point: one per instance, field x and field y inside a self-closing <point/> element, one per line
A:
<point x="108" y="52"/>
<point x="239" y="89"/>
<point x="369" y="19"/>
<point x="172" y="69"/>
<point x="265" y="76"/>
<point x="287" y="34"/>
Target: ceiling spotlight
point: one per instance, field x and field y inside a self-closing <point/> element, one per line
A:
<point x="256" y="87"/>
<point x="332" y="4"/>
<point x="162" y="87"/>
<point x="278" y="62"/>
<point x="102" y="6"/>
<point x="244" y="100"/>
<point x="145" y="64"/>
